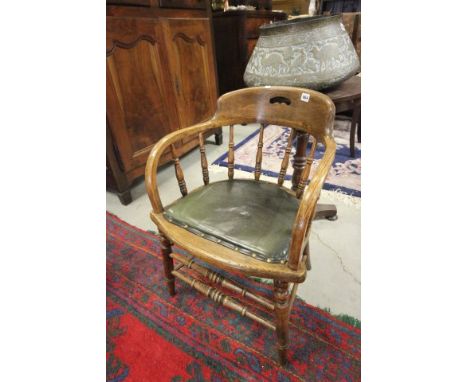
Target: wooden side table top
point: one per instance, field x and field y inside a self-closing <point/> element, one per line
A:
<point x="349" y="90"/>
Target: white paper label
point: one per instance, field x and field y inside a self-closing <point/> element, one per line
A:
<point x="305" y="97"/>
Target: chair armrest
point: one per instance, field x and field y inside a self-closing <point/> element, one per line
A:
<point x="308" y="204"/>
<point x="156" y="153"/>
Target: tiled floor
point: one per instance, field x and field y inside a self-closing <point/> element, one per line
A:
<point x="335" y="279"/>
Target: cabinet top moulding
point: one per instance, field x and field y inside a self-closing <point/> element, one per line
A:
<point x="256" y="13"/>
<point x="144" y="3"/>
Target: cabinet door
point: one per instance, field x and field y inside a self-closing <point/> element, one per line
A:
<point x="192" y="66"/>
<point x="139" y="106"/>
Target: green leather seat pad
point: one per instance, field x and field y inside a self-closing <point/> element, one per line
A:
<point x="252" y="217"/>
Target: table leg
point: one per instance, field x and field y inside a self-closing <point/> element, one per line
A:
<point x="359" y="129"/>
<point x="219" y="137"/>
<point x="327" y="211"/>
<point x="354" y="122"/>
<point x="300" y="158"/>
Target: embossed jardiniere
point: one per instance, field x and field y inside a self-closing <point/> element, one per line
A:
<point x="313" y="52"/>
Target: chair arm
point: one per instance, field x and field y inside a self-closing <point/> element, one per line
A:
<point x="308" y="204"/>
<point x="156" y="153"/>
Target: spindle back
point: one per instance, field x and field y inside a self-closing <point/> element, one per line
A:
<point x="304" y="111"/>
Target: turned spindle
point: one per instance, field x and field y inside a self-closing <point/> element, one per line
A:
<point x="178" y="171"/>
<point x="258" y="160"/>
<point x="217" y="296"/>
<point x="231" y="153"/>
<point x="285" y="162"/>
<point x="204" y="162"/>
<point x="216" y="278"/>
<point x="299" y="160"/>
<point x="306" y="172"/>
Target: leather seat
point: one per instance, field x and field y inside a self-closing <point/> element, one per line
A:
<point x="253" y="217"/>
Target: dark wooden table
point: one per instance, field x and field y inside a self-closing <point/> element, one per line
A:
<point x="347" y="98"/>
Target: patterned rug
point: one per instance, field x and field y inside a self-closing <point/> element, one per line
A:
<point x="153" y="337"/>
<point x="344" y="177"/>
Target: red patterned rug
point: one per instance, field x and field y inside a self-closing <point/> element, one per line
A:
<point x="153" y="337"/>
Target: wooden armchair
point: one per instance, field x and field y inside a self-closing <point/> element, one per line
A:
<point x="251" y="227"/>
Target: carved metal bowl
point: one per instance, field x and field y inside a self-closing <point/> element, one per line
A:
<point x="313" y="52"/>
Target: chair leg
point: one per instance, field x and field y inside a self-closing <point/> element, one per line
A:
<point x="282" y="318"/>
<point x="168" y="264"/>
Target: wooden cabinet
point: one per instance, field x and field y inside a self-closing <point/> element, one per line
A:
<point x="160" y="77"/>
<point x="137" y="88"/>
<point x="236" y="34"/>
<point x="335" y="7"/>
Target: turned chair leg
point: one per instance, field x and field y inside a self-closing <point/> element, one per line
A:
<point x="282" y="318"/>
<point x="168" y="264"/>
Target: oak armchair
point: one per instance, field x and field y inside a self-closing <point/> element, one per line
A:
<point x="251" y="227"/>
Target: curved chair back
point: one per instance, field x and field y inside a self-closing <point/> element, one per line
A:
<point x="303" y="109"/>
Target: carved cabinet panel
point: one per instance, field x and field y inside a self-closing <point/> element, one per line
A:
<point x="136" y="88"/>
<point x="189" y="41"/>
